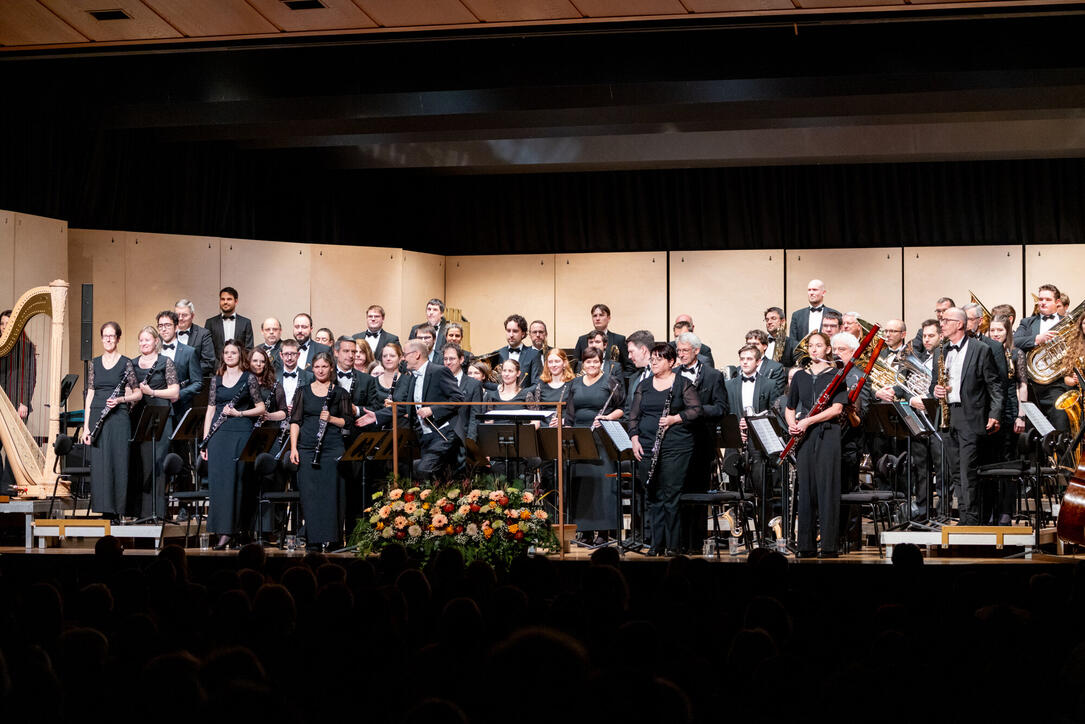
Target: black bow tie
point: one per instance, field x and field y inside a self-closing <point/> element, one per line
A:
<point x="690" y="368"/>
<point x="749" y="379"/>
<point x="344" y="374"/>
<point x="515" y="350"/>
<point x="183" y="331"/>
<point x="953" y="348"/>
<point x="290" y="374"/>
<point x="169" y="346"/>
<point x="1046" y="317"/>
<point x="269" y="347"/>
<point x="372" y="334"/>
<point x="228" y="319"/>
<point x="816" y="309"/>
<point x="303" y="347"/>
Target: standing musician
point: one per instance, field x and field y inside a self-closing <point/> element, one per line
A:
<point x="364" y="361"/>
<point x="598" y="340"/>
<point x="18" y="378"/>
<point x="1034" y="331"/>
<point x="1007" y="311"/>
<point x="663" y="406"/>
<point x="375" y="335"/>
<point x="750" y="392"/>
<point x="428" y="335"/>
<point x="194" y="335"/>
<point x="112" y="386"/>
<point x="157" y="377"/>
<point x="593" y="504"/>
<point x="832" y="322"/>
<point x="844" y="345"/>
<point x="426" y="383"/>
<point x="454" y="336"/>
<point x="234" y="403"/>
<point x="185" y="361"/>
<point x="940" y="307"/>
<point x="808" y="319"/>
<point x="600" y="320"/>
<point x="308" y="348"/>
<point x="435" y="317"/>
<point x="480" y="371"/>
<point x="895" y="332"/>
<point x="527" y="358"/>
<point x="767" y="367"/>
<point x="818" y="458"/>
<point x="781" y="346"/>
<point x="639" y="348"/>
<point x="325" y="337"/>
<point x="316" y="446"/>
<point x="684" y="323"/>
<point x="361" y="388"/>
<point x="973" y="397"/>
<point x="229" y="324"/>
<point x="276" y="409"/>
<point x="537" y="333"/>
<point x="508" y="389"/>
<point x="554" y="381"/>
<point x="974" y="314"/>
<point x="1015" y="391"/>
<point x="851" y="324"/>
<point x="388" y="375"/>
<point x="272" y="332"/>
<point x="291" y="376"/>
<point x="466" y="420"/>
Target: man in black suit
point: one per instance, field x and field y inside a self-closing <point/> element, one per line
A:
<point x="537" y="333"/>
<point x="529" y="358"/>
<point x="1035" y="330"/>
<point x="466" y="421"/>
<point x="229" y="324"/>
<point x="195" y="336"/>
<point x="752" y="392"/>
<point x="940" y="307"/>
<point x="974" y="396"/>
<point x="375" y="334"/>
<point x="974" y="313"/>
<point x="435" y="317"/>
<point x="308" y="349"/>
<point x="766" y="367"/>
<point x="639" y="350"/>
<point x="775" y="327"/>
<point x="684" y="323"/>
<point x="362" y="389"/>
<point x="187" y="364"/>
<point x="600" y="319"/>
<point x="290" y="375"/>
<point x="808" y="319"/>
<point x="433" y="423"/>
<point x="272" y="332"/>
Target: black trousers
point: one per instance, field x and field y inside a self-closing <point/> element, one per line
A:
<point x="664" y="526"/>
<point x="962" y="459"/>
<point x="921" y="475"/>
<point x="1046" y="395"/>
<point x="818" y="473"/>
<point x="436" y="451"/>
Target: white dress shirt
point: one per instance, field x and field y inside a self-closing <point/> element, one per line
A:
<point x="345" y="382"/>
<point x="303" y="354"/>
<point x="228" y="326"/>
<point x="747" y="390"/>
<point x="955" y="368"/>
<point x="290" y="384"/>
<point x="171" y="353"/>
<point x="815" y="319"/>
<point x="1047" y="324"/>
<point x="420" y="375"/>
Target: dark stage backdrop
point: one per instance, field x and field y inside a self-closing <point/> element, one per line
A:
<point x="127" y="182"/>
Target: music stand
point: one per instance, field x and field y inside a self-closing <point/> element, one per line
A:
<point x="260" y="441"/>
<point x="767" y="433"/>
<point x="149" y="428"/>
<point x="578" y="446"/>
<point x="367" y="446"/>
<point x="508" y="442"/>
<point x="614" y="439"/>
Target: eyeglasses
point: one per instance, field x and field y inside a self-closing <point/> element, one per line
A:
<point x="167" y="325"/>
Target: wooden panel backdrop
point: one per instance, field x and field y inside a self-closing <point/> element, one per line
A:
<point x="1058" y="264"/>
<point x="478" y="286"/>
<point x="271" y="277"/>
<point x="344" y="280"/>
<point x="155" y="279"/>
<point x="632" y="284"/>
<point x="95" y="257"/>
<point x="994" y="273"/>
<point x="423" y="278"/>
<point x="726" y="293"/>
<point x="867" y="281"/>
<point x="7" y="259"/>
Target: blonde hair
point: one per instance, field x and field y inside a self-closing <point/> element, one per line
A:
<point x="154" y="333"/>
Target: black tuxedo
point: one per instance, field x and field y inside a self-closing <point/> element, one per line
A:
<point x="800" y="321"/>
<point x="383" y="338"/>
<point x="531" y="363"/>
<point x="787" y="359"/>
<point x="242" y="332"/>
<point x="467" y="422"/>
<point x="1043" y="395"/>
<point x="704" y="356"/>
<point x="189" y="377"/>
<point x="631" y="383"/>
<point x="304" y="376"/>
<point x="981" y="398"/>
<point x="438" y="385"/>
<point x="199" y="339"/>
<point x="313" y="350"/>
<point x="363" y="390"/>
<point x="613" y="340"/>
<point x="764" y="393"/>
<point x="775" y="372"/>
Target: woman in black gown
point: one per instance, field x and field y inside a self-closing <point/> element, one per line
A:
<point x="158" y="383"/>
<point x="818" y="459"/>
<point x="109" y="454"/>
<point x="593" y="504"/>
<point x="553" y="386"/>
<point x="318" y="476"/>
<point x="274" y="398"/>
<point x="508" y="390"/>
<point x="673" y="394"/>
<point x="234" y="397"/>
<point x="1015" y="391"/>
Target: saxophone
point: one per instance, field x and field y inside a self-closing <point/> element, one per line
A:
<point x="780" y="337"/>
<point x="943" y="380"/>
<point x="660" y="432"/>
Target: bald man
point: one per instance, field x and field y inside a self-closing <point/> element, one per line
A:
<point x="272" y="331"/>
<point x="684" y="323"/>
<point x="808" y="319"/>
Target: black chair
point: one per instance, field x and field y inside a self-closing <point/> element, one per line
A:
<point x="879" y="503"/>
<point x="197" y="499"/>
<point x="717" y="501"/>
<point x="265" y="466"/>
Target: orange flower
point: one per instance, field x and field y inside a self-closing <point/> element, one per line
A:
<point x="513" y="528"/>
<point x="380" y="526"/>
<point x="425" y="506"/>
<point x="450" y="530"/>
<point x="525" y="515"/>
<point x="487" y="532"/>
<point x="493" y="504"/>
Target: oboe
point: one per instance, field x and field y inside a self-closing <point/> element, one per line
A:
<point x="322" y="427"/>
<point x="105" y="412"/>
<point x="660" y="432"/>
<point x="222" y="416"/>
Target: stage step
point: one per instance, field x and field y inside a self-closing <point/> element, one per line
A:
<point x="996" y="536"/>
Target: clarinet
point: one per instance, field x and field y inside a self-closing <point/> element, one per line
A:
<point x="105" y="412"/>
<point x="222" y="417"/>
<point x="660" y="432"/>
<point x="322" y="427"/>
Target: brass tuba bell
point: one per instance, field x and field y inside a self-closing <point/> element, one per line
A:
<point x="985" y="323"/>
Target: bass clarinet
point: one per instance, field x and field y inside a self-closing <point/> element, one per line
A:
<point x="106" y="410"/>
<point x="660" y="432"/>
<point x="322" y="427"/>
<point x="222" y="417"/>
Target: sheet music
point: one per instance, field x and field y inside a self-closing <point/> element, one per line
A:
<point x="911" y="419"/>
<point x="1041" y="423"/>
<point x="766" y="434"/>
<point x="525" y="414"/>
<point x="617" y="434"/>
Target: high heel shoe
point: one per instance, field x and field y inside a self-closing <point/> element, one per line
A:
<point x="223" y="544"/>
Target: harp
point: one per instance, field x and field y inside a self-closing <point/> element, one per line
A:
<point x="30" y="454"/>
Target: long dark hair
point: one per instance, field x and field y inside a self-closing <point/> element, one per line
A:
<point x="267" y="377"/>
<point x="243" y="357"/>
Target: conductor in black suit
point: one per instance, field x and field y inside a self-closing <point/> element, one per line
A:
<point x="684" y="323"/>
<point x="808" y="319"/>
<point x="600" y="319"/>
<point x="774" y="321"/>
<point x="435" y="424"/>
<point x="974" y="396"/>
<point x="1036" y="330"/>
<point x="307" y="348"/>
<point x="529" y="358"/>
<point x="435" y="317"/>
<point x="375" y="335"/>
<point x="195" y="336"/>
<point x="229" y="324"/>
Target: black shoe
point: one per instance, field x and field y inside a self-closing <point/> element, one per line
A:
<point x="830" y="554"/>
<point x="652" y="553"/>
<point x="806" y="554"/>
<point x="671" y="553"/>
<point x="223" y="544"/>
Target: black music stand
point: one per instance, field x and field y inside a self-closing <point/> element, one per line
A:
<point x="260" y="441"/>
<point x="508" y="442"/>
<point x="577" y="444"/>
<point x="366" y="447"/>
<point x="150" y="428"/>
<point x="613" y="437"/>
<point x="768" y="435"/>
<point x="898" y="421"/>
<point x="190" y="428"/>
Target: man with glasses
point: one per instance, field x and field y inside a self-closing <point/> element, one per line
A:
<point x="194" y="335"/>
<point x="186" y="362"/>
<point x="974" y="398"/>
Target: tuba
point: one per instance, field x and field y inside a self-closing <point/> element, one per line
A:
<point x="1071" y="403"/>
<point x="1049" y="361"/>
<point x="985" y="323"/>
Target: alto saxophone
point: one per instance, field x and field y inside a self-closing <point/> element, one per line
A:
<point x="943" y="381"/>
<point x="780" y="337"/>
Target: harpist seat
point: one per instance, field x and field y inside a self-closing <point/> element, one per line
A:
<point x="31" y="351"/>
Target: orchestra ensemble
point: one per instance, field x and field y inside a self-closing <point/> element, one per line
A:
<point x="969" y="370"/>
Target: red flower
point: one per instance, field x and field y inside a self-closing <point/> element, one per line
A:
<point x="503" y="501"/>
<point x="519" y="535"/>
<point x="475" y="507"/>
<point x="459" y="529"/>
<point x="448" y="507"/>
<point x="401" y="534"/>
<point x="408" y="497"/>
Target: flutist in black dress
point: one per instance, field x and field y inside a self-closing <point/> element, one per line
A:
<point x="646" y="421"/>
<point x="318" y="474"/>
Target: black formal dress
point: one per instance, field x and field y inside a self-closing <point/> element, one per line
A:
<point x="818" y="463"/>
<point x="109" y="455"/>
<point x="665" y="488"/>
<point x="274" y="399"/>
<point x="593" y="497"/>
<point x="321" y="493"/>
<point x="225" y="473"/>
<point x="543" y="392"/>
<point x="147" y="466"/>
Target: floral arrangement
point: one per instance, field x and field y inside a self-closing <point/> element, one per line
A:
<point x="487" y="521"/>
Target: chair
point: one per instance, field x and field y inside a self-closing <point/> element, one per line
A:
<point x="198" y="498"/>
<point x="880" y="503"/>
<point x="717" y="501"/>
<point x="265" y="466"/>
